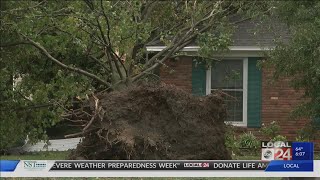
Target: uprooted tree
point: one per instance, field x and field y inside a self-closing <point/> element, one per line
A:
<point x="65" y="51"/>
<point x="153" y="122"/>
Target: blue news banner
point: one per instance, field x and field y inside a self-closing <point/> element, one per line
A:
<point x="301" y="161"/>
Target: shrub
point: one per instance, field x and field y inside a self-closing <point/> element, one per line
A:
<point x="271" y="130"/>
<point x="248" y="140"/>
<point x="308" y="133"/>
<point x="279" y="138"/>
<point x="231" y="140"/>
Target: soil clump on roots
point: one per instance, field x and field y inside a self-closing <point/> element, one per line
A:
<point x="155" y="122"/>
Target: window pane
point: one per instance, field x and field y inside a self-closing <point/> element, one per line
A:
<point x="234" y="106"/>
<point x="227" y="74"/>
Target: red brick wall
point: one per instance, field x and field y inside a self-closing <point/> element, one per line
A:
<point x="278" y="99"/>
<point x="178" y="72"/>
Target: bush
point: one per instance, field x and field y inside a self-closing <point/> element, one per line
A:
<point x="271" y="130"/>
<point x="279" y="138"/>
<point x="231" y="140"/>
<point x="248" y="140"/>
<point x="309" y="132"/>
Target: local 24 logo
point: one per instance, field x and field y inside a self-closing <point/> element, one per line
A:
<point x="278" y="150"/>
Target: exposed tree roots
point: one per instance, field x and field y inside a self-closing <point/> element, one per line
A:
<point x="152" y="122"/>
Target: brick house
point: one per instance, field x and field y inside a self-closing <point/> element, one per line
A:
<point x="257" y="100"/>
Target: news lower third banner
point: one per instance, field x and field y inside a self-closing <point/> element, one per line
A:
<point x="159" y="165"/>
<point x="102" y="168"/>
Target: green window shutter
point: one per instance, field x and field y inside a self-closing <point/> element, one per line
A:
<point x="198" y="78"/>
<point x="254" y="93"/>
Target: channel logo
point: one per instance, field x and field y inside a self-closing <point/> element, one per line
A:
<point x="198" y="165"/>
<point x="278" y="150"/>
<point x="34" y="165"/>
<point x="267" y="154"/>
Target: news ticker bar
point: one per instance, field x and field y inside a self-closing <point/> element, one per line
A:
<point x="105" y="165"/>
<point x="159" y="165"/>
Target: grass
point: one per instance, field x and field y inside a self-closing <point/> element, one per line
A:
<point x="45" y="155"/>
<point x="149" y="178"/>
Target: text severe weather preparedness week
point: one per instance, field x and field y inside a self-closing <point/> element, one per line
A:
<point x="160" y="165"/>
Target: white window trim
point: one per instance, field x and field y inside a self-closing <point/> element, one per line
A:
<point x="196" y="48"/>
<point x="244" y="123"/>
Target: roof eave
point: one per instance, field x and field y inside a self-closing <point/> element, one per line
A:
<point x="196" y="48"/>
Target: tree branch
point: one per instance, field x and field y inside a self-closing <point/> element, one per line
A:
<point x="116" y="63"/>
<point x="80" y="71"/>
<point x="99" y="62"/>
<point x="119" y="59"/>
<point x="181" y="43"/>
<point x="147" y="11"/>
<point x="102" y="33"/>
<point x="14" y="44"/>
<point x="74" y="135"/>
<point x="27" y="8"/>
<point x="186" y="36"/>
<point x="174" y="48"/>
<point x="107" y="21"/>
<point x="108" y="42"/>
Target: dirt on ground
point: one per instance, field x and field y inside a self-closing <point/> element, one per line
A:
<point x="152" y="122"/>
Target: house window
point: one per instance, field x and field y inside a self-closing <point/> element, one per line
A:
<point x="230" y="76"/>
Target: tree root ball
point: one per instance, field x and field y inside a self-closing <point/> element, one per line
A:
<point x="153" y="122"/>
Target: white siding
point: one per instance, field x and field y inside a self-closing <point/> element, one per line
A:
<point x="54" y="145"/>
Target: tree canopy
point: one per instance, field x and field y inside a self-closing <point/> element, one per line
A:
<point x="299" y="58"/>
<point x="63" y="51"/>
<point x="57" y="53"/>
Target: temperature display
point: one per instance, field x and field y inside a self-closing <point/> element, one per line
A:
<point x="302" y="151"/>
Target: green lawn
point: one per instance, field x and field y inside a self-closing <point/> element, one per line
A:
<point x="147" y="178"/>
<point x="45" y="155"/>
